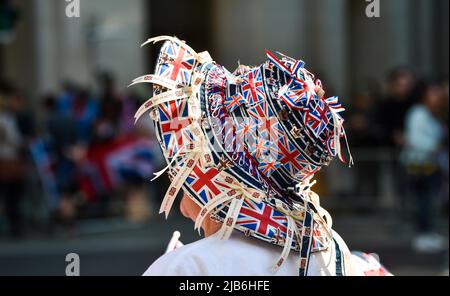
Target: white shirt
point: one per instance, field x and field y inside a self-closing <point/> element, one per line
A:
<point x="237" y="256"/>
<point x="424" y="134"/>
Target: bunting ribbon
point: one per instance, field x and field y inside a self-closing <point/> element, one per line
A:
<point x="291" y="230"/>
<point x="192" y="158"/>
<point x="165" y="97"/>
<point x="202" y="57"/>
<point x="155" y="79"/>
<point x="194" y="101"/>
<point x="235" y="190"/>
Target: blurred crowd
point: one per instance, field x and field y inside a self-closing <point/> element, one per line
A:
<point x="92" y="161"/>
<point x="408" y="117"/>
<point x="89" y="157"/>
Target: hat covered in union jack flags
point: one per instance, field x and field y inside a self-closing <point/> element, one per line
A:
<point x="246" y="145"/>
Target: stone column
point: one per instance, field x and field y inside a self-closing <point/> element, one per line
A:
<point x="46" y="38"/>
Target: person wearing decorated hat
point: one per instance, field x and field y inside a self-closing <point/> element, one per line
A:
<point x="243" y="148"/>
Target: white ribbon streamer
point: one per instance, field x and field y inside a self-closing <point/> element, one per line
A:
<point x="203" y="57"/>
<point x="224" y="197"/>
<point x="168" y="96"/>
<point x="291" y="230"/>
<point x="230" y="220"/>
<point x="155" y="79"/>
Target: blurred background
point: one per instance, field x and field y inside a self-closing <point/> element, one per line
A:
<point x="74" y="170"/>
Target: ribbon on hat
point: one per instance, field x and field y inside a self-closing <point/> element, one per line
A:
<point x="236" y="190"/>
<point x="165" y="97"/>
<point x="173" y="95"/>
<point x="189" y="164"/>
<point x="200" y="147"/>
<point x="310" y="197"/>
<point x="304" y="236"/>
<point x="301" y="87"/>
<point x="305" y="214"/>
<point x="202" y="57"/>
<point x="279" y="64"/>
<point x="292" y="73"/>
<point x="332" y="102"/>
<point x="193" y="101"/>
<point x="183" y="149"/>
<point x="291" y="230"/>
<point x="323" y="217"/>
<point x="288" y="59"/>
<point x="231" y="218"/>
<point x="192" y="158"/>
<point x="155" y="79"/>
<point x="335" y="109"/>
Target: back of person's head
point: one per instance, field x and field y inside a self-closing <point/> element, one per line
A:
<point x="69" y="86"/>
<point x="400" y="82"/>
<point x="82" y="96"/>
<point x="49" y="103"/>
<point x="433" y="96"/>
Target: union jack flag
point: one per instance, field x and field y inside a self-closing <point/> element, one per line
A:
<point x="296" y="96"/>
<point x="260" y="110"/>
<point x="245" y="132"/>
<point x="333" y="102"/>
<point x="270" y="129"/>
<point x="204" y="182"/>
<point x="234" y="101"/>
<point x="261" y="218"/>
<point x="319" y="240"/>
<point x="174" y="118"/>
<point x="318" y="118"/>
<point x="329" y="141"/>
<point x="228" y="134"/>
<point x="295" y="162"/>
<point x="268" y="165"/>
<point x="309" y="169"/>
<point x="277" y="63"/>
<point x="252" y="87"/>
<point x="260" y="149"/>
<point x="108" y="165"/>
<point x="290" y="156"/>
<point x="176" y="63"/>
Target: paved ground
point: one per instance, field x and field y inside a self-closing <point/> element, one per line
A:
<point x="115" y="247"/>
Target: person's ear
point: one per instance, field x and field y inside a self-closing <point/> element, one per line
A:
<point x="183" y="205"/>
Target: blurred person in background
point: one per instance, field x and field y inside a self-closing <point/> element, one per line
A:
<point x="119" y="143"/>
<point x="365" y="134"/>
<point x="61" y="136"/>
<point x="12" y="158"/>
<point x="116" y="108"/>
<point x="401" y="83"/>
<point x="65" y="98"/>
<point x="84" y="111"/>
<point x="110" y="102"/>
<point x="130" y="102"/>
<point x="68" y="133"/>
<point x="400" y="94"/>
<point x="424" y="136"/>
<point x="361" y="121"/>
<point x="24" y="117"/>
